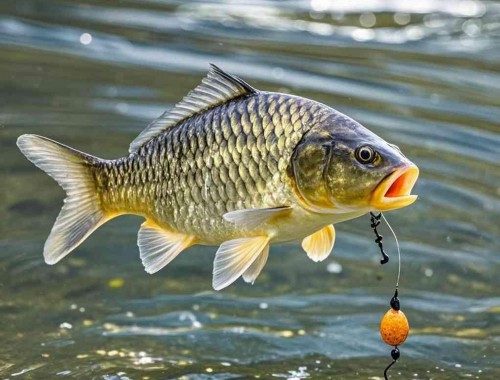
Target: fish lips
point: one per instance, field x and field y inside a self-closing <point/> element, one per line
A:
<point x="394" y="191"/>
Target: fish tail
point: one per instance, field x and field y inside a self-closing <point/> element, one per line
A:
<point x="74" y="171"/>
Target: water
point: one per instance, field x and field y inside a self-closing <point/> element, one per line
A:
<point x="424" y="75"/>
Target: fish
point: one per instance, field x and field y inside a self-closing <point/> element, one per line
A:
<point x="228" y="166"/>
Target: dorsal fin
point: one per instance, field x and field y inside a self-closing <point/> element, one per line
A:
<point x="216" y="88"/>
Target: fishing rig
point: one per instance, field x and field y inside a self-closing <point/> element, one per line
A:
<point x="394" y="326"/>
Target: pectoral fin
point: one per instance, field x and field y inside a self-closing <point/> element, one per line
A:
<point x="319" y="245"/>
<point x="158" y="247"/>
<point x="235" y="257"/>
<point x="253" y="217"/>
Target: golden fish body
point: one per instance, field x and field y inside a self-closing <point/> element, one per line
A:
<point x="229" y="166"/>
<point x="232" y="157"/>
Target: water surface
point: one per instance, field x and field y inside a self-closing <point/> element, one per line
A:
<point x="424" y="75"/>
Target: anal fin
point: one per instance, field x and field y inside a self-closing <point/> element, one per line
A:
<point x="235" y="257"/>
<point x="319" y="245"/>
<point x="158" y="246"/>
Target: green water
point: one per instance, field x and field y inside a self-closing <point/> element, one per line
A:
<point x="425" y="75"/>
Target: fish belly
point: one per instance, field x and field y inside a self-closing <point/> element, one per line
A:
<point x="303" y="223"/>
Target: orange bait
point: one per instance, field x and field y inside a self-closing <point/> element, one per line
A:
<point x="394" y="327"/>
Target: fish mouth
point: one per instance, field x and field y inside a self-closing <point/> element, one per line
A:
<point x="394" y="191"/>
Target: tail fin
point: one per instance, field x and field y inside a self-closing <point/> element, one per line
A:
<point x="81" y="213"/>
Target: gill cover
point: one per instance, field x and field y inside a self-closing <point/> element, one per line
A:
<point x="309" y="166"/>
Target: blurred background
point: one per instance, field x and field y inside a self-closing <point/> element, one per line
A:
<point x="424" y="75"/>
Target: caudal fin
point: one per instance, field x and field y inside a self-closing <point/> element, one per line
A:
<point x="82" y="212"/>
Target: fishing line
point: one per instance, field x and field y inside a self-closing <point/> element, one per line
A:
<point x="397" y="245"/>
<point x="394" y="326"/>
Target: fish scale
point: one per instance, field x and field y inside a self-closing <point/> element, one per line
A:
<point x="232" y="150"/>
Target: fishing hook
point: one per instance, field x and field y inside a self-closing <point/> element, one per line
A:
<point x="375" y="221"/>
<point x="395" y="356"/>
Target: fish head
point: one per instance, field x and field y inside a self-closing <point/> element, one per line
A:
<point x="340" y="166"/>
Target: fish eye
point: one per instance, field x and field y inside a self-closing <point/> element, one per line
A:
<point x="365" y="154"/>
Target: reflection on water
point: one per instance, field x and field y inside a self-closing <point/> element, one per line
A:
<point x="424" y="75"/>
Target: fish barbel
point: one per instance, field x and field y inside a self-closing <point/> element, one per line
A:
<point x="232" y="166"/>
